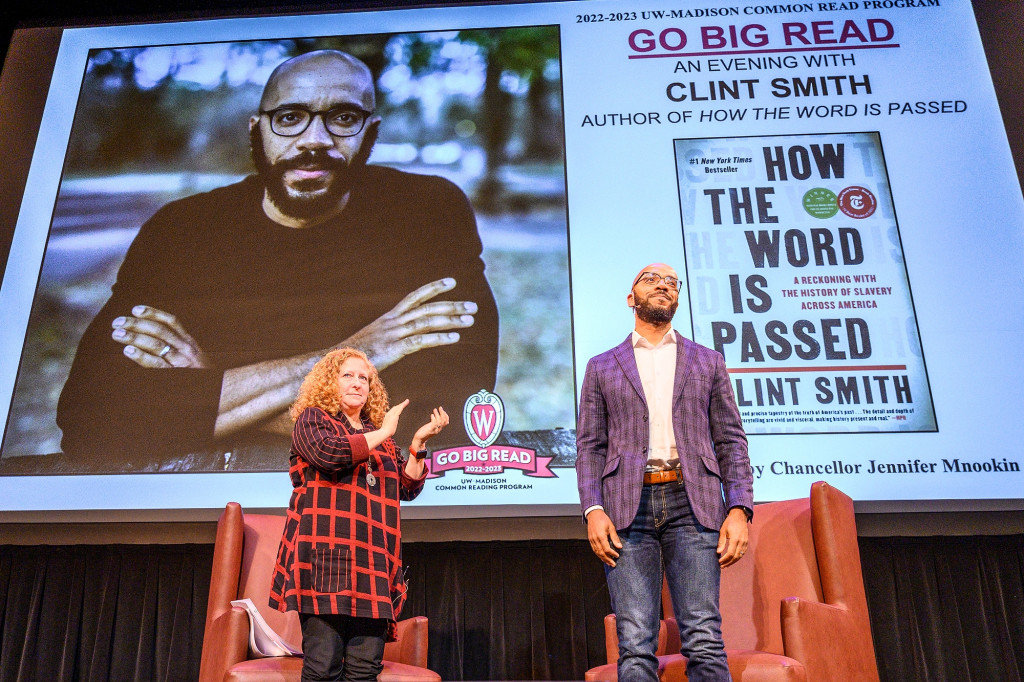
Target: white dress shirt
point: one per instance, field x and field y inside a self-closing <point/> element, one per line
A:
<point x="657" y="366"/>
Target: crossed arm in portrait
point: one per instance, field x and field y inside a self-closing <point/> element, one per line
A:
<point x="155" y="339"/>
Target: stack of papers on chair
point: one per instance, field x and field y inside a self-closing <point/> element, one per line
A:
<point x="263" y="641"/>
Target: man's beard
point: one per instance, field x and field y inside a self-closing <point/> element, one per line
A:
<point x="652" y="314"/>
<point x="308" y="198"/>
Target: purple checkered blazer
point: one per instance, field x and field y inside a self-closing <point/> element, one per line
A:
<point x="613" y="432"/>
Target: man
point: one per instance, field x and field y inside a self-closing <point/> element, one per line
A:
<point x="659" y="440"/>
<point x="225" y="300"/>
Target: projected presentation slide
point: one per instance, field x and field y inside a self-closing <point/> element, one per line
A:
<point x="832" y="182"/>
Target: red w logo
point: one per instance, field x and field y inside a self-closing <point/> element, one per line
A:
<point x="483" y="418"/>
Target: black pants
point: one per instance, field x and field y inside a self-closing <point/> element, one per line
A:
<point x="341" y="647"/>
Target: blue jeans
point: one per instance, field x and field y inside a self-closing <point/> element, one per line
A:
<point x="665" y="532"/>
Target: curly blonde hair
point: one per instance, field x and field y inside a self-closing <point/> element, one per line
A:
<point x="320" y="388"/>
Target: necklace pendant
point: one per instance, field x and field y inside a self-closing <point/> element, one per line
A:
<point x="371" y="480"/>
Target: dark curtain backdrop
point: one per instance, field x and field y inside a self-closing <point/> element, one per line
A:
<point x="941" y="609"/>
<point x="91" y="612"/>
<point x="946" y="608"/>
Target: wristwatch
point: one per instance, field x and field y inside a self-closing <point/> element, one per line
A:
<point x="418" y="454"/>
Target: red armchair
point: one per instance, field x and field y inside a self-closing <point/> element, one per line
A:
<point x="243" y="561"/>
<point x="794" y="609"/>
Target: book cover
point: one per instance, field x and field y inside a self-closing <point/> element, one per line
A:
<point x="795" y="273"/>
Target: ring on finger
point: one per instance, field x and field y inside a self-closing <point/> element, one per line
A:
<point x="164" y="351"/>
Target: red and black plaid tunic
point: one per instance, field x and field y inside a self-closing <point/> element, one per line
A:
<point x="341" y="551"/>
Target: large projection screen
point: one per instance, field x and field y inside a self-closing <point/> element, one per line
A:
<point x="832" y="181"/>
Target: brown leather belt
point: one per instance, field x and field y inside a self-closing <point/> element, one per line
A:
<point x="663" y="476"/>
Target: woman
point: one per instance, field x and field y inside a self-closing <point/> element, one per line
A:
<point x="340" y="560"/>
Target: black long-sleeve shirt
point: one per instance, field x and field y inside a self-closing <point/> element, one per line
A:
<point x="249" y="290"/>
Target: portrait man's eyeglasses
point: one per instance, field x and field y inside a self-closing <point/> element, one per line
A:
<point x="292" y="120"/>
<point x="652" y="278"/>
